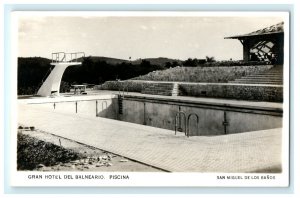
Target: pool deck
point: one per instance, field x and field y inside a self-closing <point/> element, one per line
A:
<point x="243" y="152"/>
<point x="94" y="94"/>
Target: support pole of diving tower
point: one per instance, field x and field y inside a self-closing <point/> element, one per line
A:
<point x="61" y="61"/>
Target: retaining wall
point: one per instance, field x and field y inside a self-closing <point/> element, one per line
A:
<point x="270" y="93"/>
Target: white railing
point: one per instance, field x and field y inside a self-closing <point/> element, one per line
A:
<point x="63" y="57"/>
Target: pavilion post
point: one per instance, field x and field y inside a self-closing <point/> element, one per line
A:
<point x="246" y="50"/>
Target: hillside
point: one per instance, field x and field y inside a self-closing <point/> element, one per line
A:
<point x="31" y="72"/>
<point x="160" y="61"/>
<point x="108" y="60"/>
<point x="221" y="74"/>
<point x="94" y="70"/>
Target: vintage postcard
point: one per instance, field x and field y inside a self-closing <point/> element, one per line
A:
<point x="150" y="99"/>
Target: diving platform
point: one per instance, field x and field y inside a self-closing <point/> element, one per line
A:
<point x="60" y="60"/>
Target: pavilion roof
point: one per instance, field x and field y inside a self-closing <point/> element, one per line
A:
<point x="274" y="29"/>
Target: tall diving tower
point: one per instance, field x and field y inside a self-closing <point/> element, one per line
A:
<point x="60" y="61"/>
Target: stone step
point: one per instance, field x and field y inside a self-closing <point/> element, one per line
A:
<point x="267" y="74"/>
<point x="272" y="73"/>
<point x="256" y="79"/>
<point x="159" y="89"/>
<point x="175" y="90"/>
<point x="258" y="82"/>
<point x="248" y="82"/>
<point x="261" y="78"/>
<point x="264" y="77"/>
<point x="272" y="76"/>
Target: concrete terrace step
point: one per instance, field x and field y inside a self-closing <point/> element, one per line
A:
<point x="165" y="89"/>
<point x="262" y="77"/>
<point x="175" y="89"/>
<point x="266" y="74"/>
<point x="272" y="76"/>
<point x="247" y="82"/>
<point x="259" y="79"/>
<point x="258" y="82"/>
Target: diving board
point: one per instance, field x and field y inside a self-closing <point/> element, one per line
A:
<point x="61" y="61"/>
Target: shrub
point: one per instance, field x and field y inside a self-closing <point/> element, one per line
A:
<point x="31" y="152"/>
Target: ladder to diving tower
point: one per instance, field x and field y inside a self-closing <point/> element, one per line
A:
<point x="60" y="61"/>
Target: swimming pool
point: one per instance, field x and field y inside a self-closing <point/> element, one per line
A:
<point x="190" y="116"/>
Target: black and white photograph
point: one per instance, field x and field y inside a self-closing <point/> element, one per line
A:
<point x="179" y="98"/>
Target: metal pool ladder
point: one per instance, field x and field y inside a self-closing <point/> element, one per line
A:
<point x="178" y="116"/>
<point x="188" y="123"/>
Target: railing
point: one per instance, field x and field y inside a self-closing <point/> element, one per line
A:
<point x="120" y="104"/>
<point x="63" y="57"/>
<point x="178" y="116"/>
<point x="123" y="90"/>
<point x="186" y="129"/>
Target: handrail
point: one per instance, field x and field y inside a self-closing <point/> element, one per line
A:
<point x="119" y="86"/>
<point x="125" y="87"/>
<point x="63" y="57"/>
<point x="178" y="115"/>
<point x="188" y="123"/>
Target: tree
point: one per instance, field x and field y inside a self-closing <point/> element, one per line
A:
<point x="175" y="64"/>
<point x="168" y="65"/>
<point x="191" y="62"/>
<point x="145" y="63"/>
<point x="210" y="59"/>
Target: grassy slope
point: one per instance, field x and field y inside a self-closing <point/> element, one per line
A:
<point x="202" y="74"/>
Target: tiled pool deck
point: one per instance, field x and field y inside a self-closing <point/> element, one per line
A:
<point x="243" y="152"/>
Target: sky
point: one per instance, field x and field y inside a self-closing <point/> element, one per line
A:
<point x="137" y="37"/>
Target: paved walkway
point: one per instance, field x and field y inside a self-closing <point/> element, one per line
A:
<point x="244" y="152"/>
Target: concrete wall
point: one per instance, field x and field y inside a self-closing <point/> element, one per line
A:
<point x="162" y="114"/>
<point x="270" y="93"/>
<point x="150" y="114"/>
<point x="107" y="108"/>
<point x="210" y="120"/>
<point x="242" y="122"/>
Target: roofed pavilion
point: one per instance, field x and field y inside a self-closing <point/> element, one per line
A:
<point x="263" y="45"/>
